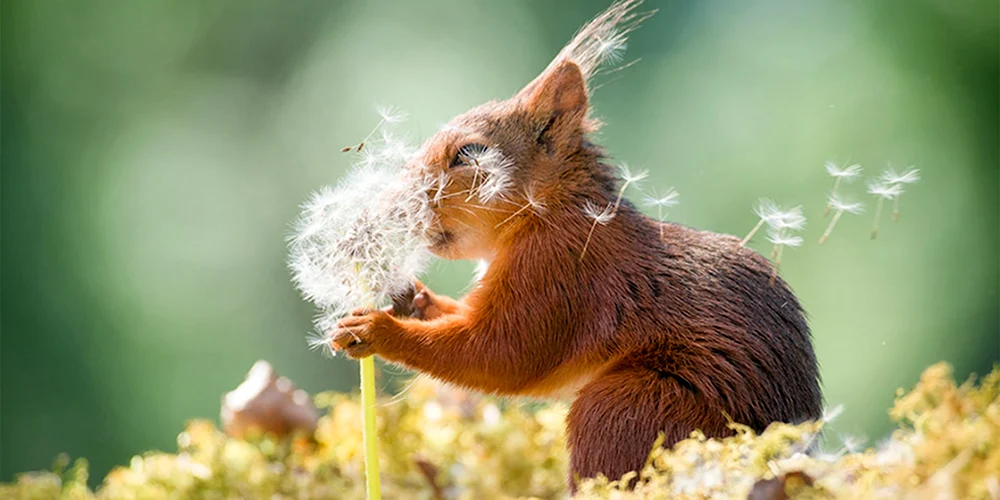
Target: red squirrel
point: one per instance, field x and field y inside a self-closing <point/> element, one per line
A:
<point x="649" y="327"/>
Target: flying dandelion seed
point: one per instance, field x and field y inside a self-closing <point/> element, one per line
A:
<point x="666" y="200"/>
<point x="771" y="214"/>
<point x="890" y="176"/>
<point x="604" y="216"/>
<point x="840" y="206"/>
<point x="847" y="173"/>
<point x="882" y="192"/>
<point x="387" y="114"/>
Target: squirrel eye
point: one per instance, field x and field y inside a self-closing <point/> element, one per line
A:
<point x="467" y="152"/>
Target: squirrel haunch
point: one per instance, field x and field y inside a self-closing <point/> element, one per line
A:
<point x="658" y="328"/>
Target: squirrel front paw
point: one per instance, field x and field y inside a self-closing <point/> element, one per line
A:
<point x="359" y="334"/>
<point x="421" y="303"/>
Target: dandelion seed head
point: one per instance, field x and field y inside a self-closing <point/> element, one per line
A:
<point x="602" y="215"/>
<point x="908" y="176"/>
<point x="841" y="204"/>
<point x="847" y="172"/>
<point x="885" y="190"/>
<point x="665" y="200"/>
<point x="362" y="241"/>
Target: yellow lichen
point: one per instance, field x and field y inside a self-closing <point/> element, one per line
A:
<point x="438" y="442"/>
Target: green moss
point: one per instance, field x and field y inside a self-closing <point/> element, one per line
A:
<point x="440" y="442"/>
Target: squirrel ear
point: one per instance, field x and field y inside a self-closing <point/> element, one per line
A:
<point x="559" y="90"/>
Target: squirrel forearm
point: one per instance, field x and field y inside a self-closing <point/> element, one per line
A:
<point x="477" y="354"/>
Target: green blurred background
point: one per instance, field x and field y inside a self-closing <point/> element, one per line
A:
<point x="155" y="152"/>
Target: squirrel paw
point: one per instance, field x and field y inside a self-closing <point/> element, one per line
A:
<point x="357" y="335"/>
<point x="419" y="302"/>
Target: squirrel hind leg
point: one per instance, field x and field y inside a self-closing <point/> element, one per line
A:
<point x="615" y="420"/>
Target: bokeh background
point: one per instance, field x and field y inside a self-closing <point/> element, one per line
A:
<point x="154" y="154"/>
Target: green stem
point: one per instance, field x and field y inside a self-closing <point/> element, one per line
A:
<point x="373" y="486"/>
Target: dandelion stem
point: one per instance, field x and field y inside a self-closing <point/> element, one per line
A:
<point x="369" y="432"/>
<point x="373" y="487"/>
<point x="621" y="193"/>
<point x="525" y="207"/>
<point x="836" y="184"/>
<point x="752" y="232"/>
<point x="777" y="262"/>
<point x="370" y="134"/>
<point x="587" y="243"/>
<point x="829" y="229"/>
<point x="659" y="215"/>
<point x="475" y="177"/>
<point x="614" y="212"/>
<point x="878" y="215"/>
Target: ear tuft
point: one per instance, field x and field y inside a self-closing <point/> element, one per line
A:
<point x="560" y="90"/>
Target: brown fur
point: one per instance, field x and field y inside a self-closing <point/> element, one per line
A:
<point x="649" y="334"/>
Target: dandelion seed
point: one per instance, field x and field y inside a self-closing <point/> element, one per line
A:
<point x="840" y="206"/>
<point x="909" y="176"/>
<point x="831" y="413"/>
<point x="771" y="214"/>
<point x="601" y="216"/>
<point x="890" y="176"/>
<point x="491" y="178"/>
<point x="666" y="200"/>
<point x="391" y="114"/>
<point x="628" y="178"/>
<point x="847" y="174"/>
<point x="531" y="201"/>
<point x="882" y="191"/>
<point x="852" y="444"/>
<point x="387" y="114"/>
<point x="600" y="45"/>
<point x="610" y="46"/>
<point x="781" y="239"/>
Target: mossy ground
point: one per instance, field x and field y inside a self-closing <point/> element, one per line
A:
<point x="438" y="442"/>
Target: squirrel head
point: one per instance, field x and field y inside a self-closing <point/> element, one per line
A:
<point x="496" y="166"/>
